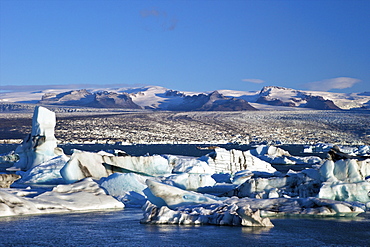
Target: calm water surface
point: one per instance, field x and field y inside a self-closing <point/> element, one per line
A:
<point x="122" y="228"/>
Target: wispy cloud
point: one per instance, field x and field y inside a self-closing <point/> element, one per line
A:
<point x="333" y="83"/>
<point x="155" y="18"/>
<point x="257" y="81"/>
<point x="25" y="88"/>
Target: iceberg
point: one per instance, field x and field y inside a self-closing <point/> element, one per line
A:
<point x="82" y="196"/>
<point x="189" y="165"/>
<point x="46" y="173"/>
<point x="126" y="187"/>
<point x="345" y="180"/>
<point x="224" y="161"/>
<point x="183" y="207"/>
<point x="275" y="155"/>
<point x="175" y="197"/>
<point x="84" y="164"/>
<point x="41" y="144"/>
<point x="224" y="214"/>
<point x="310" y="206"/>
<point x="189" y="181"/>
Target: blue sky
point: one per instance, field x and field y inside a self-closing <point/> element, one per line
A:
<point x="187" y="45"/>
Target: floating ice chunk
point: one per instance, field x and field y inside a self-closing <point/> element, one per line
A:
<point x="175" y="197"/>
<point x="41" y="144"/>
<point x="84" y="195"/>
<point x="45" y="173"/>
<point x="253" y="186"/>
<point x="310" y="206"/>
<point x="82" y="165"/>
<point x="305" y="160"/>
<point x="147" y="165"/>
<point x="224" y="161"/>
<point x="126" y="187"/>
<point x="188" y="181"/>
<point x="345" y="180"/>
<point x="189" y="165"/>
<point x="86" y="164"/>
<point x="118" y="184"/>
<point x="359" y="191"/>
<point x="262" y="150"/>
<point x="224" y="214"/>
<point x="342" y="170"/>
<point x="275" y="155"/>
<point x="242" y="176"/>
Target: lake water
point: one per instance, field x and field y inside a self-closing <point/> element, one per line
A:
<point x="122" y="227"/>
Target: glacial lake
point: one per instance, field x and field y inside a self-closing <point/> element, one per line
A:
<point x="122" y="227"/>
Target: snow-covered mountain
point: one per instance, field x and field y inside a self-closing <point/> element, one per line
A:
<point x="163" y="99"/>
<point x="160" y="98"/>
<point x="280" y="96"/>
<point x="100" y="99"/>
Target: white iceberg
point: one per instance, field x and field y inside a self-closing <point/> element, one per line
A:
<point x="41" y="144"/>
<point x="126" y="187"/>
<point x="275" y="155"/>
<point x="224" y="161"/>
<point x="190" y="181"/>
<point x="45" y="173"/>
<point x="210" y="214"/>
<point x="97" y="165"/>
<point x="345" y="180"/>
<point x="82" y="196"/>
<point x="175" y="197"/>
<point x="183" y="207"/>
<point x="189" y="165"/>
<point x="84" y="164"/>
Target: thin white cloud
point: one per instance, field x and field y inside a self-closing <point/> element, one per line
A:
<point x="257" y="81"/>
<point x="25" y="88"/>
<point x="155" y="18"/>
<point x="333" y="83"/>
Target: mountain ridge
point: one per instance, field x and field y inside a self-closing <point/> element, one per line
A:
<point x="160" y="98"/>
